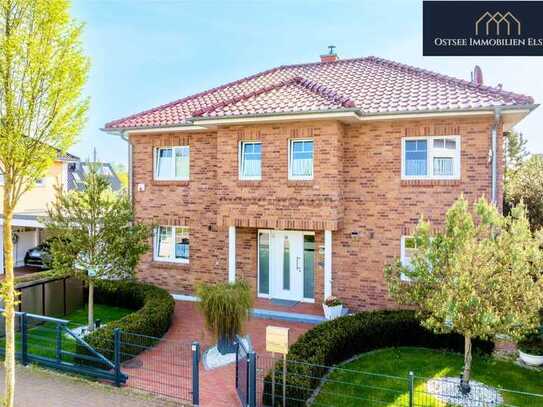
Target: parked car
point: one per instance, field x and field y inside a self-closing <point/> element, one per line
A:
<point x="39" y="256"/>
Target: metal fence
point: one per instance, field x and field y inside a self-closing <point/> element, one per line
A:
<point x="159" y="366"/>
<point x="155" y="365"/>
<point x="306" y="384"/>
<point x="51" y="343"/>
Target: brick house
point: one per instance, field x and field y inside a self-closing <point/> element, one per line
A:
<point x="306" y="180"/>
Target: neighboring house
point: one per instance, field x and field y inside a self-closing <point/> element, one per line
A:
<point x="306" y="180"/>
<point x="27" y="228"/>
<point x="77" y="171"/>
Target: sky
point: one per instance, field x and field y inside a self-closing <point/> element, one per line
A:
<point x="146" y="53"/>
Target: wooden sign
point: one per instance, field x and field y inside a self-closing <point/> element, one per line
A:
<point x="277" y="339"/>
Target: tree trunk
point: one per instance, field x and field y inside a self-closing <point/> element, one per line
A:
<point x="8" y="294"/>
<point x="467" y="359"/>
<point x="90" y="326"/>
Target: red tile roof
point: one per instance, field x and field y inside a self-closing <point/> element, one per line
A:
<point x="369" y="85"/>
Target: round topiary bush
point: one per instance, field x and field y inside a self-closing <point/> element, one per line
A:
<point x="338" y="340"/>
<point x="154" y="310"/>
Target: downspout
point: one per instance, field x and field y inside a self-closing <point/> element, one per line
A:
<point x="494" y="182"/>
<point x="125" y="137"/>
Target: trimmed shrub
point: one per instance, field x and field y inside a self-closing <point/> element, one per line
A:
<point x="338" y="340"/>
<point x="155" y="307"/>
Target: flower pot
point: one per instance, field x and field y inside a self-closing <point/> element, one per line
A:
<point x="531" y="360"/>
<point x="225" y="345"/>
<point x="332" y="312"/>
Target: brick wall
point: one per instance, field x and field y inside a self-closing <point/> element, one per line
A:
<point x="356" y="188"/>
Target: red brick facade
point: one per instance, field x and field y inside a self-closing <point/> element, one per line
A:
<point x="356" y="192"/>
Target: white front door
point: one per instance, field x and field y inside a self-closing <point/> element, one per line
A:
<point x="286" y="265"/>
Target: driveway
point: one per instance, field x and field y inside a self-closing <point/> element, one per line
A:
<point x="38" y="387"/>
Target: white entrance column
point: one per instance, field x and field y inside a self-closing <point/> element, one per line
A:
<point x="327" y="263"/>
<point x="231" y="254"/>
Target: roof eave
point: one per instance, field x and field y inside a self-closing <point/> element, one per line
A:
<point x="199" y="124"/>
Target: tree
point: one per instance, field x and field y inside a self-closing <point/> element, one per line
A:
<point x="479" y="276"/>
<point x="42" y="73"/>
<point x="94" y="235"/>
<point x="122" y="173"/>
<point x="525" y="185"/>
<point x="515" y="150"/>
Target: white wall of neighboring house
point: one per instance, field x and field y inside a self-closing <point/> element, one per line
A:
<point x="25" y="240"/>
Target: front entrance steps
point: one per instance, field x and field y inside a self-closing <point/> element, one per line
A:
<point x="287" y="316"/>
<point x="306" y="313"/>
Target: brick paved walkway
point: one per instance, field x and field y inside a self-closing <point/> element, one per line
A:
<point x="40" y="388"/>
<point x="217" y="386"/>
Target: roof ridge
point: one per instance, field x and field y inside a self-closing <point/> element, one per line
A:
<point x="190" y="97"/>
<point x="326" y="92"/>
<point x="312" y="86"/>
<point x="439" y="76"/>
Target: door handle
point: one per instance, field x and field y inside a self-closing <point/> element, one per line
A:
<point x="298" y="263"/>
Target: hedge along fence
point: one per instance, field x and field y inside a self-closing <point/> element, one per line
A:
<point x="333" y="342"/>
<point x="154" y="310"/>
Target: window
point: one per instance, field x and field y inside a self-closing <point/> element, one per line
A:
<point x="300" y="166"/>
<point x="172" y="163"/>
<point x="172" y="244"/>
<point x="431" y="158"/>
<point x="250" y="164"/>
<point x="407" y="251"/>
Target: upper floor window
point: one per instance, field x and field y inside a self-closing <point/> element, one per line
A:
<point x="300" y="163"/>
<point x="172" y="244"/>
<point x="172" y="163"/>
<point x="250" y="164"/>
<point x="431" y="158"/>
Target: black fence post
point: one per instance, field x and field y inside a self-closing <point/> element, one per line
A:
<point x="252" y="379"/>
<point x="24" y="339"/>
<point x="117" y="355"/>
<point x="195" y="374"/>
<point x="411" y="384"/>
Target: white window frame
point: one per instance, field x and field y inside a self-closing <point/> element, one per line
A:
<point x="435" y="152"/>
<point x="173" y="177"/>
<point x="290" y="159"/>
<point x="171" y="258"/>
<point x="241" y="157"/>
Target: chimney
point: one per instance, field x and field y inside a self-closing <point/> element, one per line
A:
<point x="477" y="76"/>
<point x="331" y="56"/>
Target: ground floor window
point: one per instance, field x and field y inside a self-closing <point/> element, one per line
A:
<point x="309" y="266"/>
<point x="171" y="243"/>
<point x="264" y="263"/>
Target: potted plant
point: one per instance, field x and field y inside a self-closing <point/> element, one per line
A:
<point x="226" y="308"/>
<point x="531" y="350"/>
<point x="333" y="308"/>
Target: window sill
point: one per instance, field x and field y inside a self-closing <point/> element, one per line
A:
<point x="170" y="182"/>
<point x="169" y="264"/>
<point x="430" y="182"/>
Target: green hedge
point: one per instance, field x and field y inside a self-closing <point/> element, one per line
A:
<point x="335" y="341"/>
<point x="155" y="307"/>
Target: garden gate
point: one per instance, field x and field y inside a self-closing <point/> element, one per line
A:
<point x="245" y="373"/>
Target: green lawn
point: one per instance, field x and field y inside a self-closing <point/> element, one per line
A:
<point x="42" y="338"/>
<point x="351" y="387"/>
